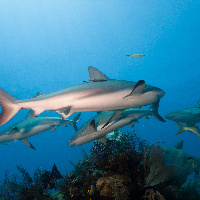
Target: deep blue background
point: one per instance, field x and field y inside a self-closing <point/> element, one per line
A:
<point x="48" y="45"/>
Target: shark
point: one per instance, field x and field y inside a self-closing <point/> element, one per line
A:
<point x="98" y="94"/>
<point x="95" y="129"/>
<point x="190" y="116"/>
<point x="31" y="126"/>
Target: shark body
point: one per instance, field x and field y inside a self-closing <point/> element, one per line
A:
<point x="190" y="116"/>
<point x="99" y="94"/>
<point x="95" y="128"/>
<point x="31" y="126"/>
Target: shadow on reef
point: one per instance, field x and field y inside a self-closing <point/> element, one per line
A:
<point x="125" y="168"/>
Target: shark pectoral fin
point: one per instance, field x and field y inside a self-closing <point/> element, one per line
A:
<point x="65" y="112"/>
<point x="138" y="89"/>
<point x="103" y="139"/>
<point x="74" y="120"/>
<point x="116" y="116"/>
<point x="132" y="123"/>
<point x="96" y="75"/>
<point x="29" y="115"/>
<point x="145" y="117"/>
<point x="37" y="112"/>
<point x="53" y="128"/>
<point x="26" y="142"/>
<point x="91" y="127"/>
<point x="14" y="131"/>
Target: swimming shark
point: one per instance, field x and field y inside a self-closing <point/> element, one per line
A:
<point x="32" y="126"/>
<point x="190" y="116"/>
<point x="94" y="128"/>
<point x="99" y="94"/>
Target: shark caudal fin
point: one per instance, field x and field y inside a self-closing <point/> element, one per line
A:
<point x="154" y="111"/>
<point x="74" y="120"/>
<point x="9" y="109"/>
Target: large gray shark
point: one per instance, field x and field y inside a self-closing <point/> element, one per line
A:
<point x="33" y="126"/>
<point x="190" y="116"/>
<point x="99" y="94"/>
<point x="95" y="128"/>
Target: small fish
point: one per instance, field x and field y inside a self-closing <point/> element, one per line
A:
<point x="136" y="56"/>
<point x="91" y="191"/>
<point x="193" y="163"/>
<point x="194" y="129"/>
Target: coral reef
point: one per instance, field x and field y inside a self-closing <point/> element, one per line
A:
<point x="124" y="168"/>
<point x="158" y="171"/>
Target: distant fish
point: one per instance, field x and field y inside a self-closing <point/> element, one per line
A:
<point x="91" y="191"/>
<point x="135" y="56"/>
<point x="34" y="125"/>
<point x="193" y="129"/>
<point x="190" y="116"/>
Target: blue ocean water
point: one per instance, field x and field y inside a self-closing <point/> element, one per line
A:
<point x="46" y="46"/>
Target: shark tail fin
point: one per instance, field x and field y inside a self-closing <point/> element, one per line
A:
<point x="9" y="109"/>
<point x="74" y="120"/>
<point x="154" y="113"/>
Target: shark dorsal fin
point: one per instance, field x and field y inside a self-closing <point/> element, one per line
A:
<point x="91" y="127"/>
<point x="138" y="89"/>
<point x="198" y="104"/>
<point x="116" y="116"/>
<point x="29" y="114"/>
<point x="26" y="142"/>
<point x="96" y="75"/>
